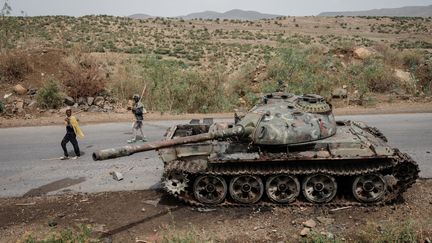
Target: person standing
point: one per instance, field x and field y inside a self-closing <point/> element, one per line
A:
<point x="138" y="111"/>
<point x="72" y="131"/>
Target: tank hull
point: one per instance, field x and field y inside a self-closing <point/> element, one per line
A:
<point x="354" y="167"/>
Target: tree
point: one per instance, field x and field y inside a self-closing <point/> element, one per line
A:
<point x="6" y="10"/>
<point x="5" y="24"/>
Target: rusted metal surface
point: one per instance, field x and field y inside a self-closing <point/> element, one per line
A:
<point x="348" y="143"/>
<point x="284" y="143"/>
<point x="402" y="168"/>
<point x="131" y="149"/>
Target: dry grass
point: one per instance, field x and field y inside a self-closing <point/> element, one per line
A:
<point x="214" y="66"/>
<point x="14" y="66"/>
<point x="83" y="75"/>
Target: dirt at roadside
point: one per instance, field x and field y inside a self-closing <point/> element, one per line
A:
<point x="150" y="216"/>
<point x="100" y="117"/>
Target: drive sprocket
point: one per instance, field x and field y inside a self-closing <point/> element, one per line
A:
<point x="175" y="182"/>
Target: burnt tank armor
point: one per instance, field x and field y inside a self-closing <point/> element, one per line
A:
<point x="287" y="150"/>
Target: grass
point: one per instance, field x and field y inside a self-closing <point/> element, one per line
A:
<point x="161" y="36"/>
<point x="214" y="65"/>
<point x="400" y="232"/>
<point x="176" y="86"/>
<point x="403" y="232"/>
<point x="172" y="86"/>
<point x="186" y="237"/>
<point x="82" y="235"/>
<point x="170" y="234"/>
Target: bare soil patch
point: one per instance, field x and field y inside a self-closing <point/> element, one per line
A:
<point x="152" y="216"/>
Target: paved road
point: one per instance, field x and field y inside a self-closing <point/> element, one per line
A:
<point x="29" y="163"/>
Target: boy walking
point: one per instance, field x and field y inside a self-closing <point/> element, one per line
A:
<point x="72" y="131"/>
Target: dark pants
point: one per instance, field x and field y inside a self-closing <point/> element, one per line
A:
<point x="70" y="137"/>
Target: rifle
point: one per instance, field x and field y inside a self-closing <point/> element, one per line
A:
<point x="142" y="93"/>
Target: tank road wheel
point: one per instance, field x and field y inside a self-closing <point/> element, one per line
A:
<point x="319" y="188"/>
<point x="282" y="188"/>
<point x="369" y="188"/>
<point x="175" y="182"/>
<point x="210" y="189"/>
<point x="246" y="189"/>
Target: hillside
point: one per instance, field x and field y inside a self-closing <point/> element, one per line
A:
<point x="216" y="65"/>
<point x="409" y="11"/>
<point x="235" y="14"/>
<point x="232" y="14"/>
<point x="140" y="16"/>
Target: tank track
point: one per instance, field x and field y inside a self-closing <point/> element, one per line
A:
<point x="402" y="167"/>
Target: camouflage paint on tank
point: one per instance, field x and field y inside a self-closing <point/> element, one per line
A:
<point x="280" y="120"/>
<point x="351" y="142"/>
<point x="285" y="138"/>
<point x="286" y="119"/>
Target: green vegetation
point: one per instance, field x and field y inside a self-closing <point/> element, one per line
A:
<point x="2" y="107"/>
<point x="6" y="25"/>
<point x="187" y="237"/>
<point x="306" y="71"/>
<point x="303" y="71"/>
<point x="407" y="44"/>
<point x="423" y="73"/>
<point x="173" y="87"/>
<point x="217" y="65"/>
<point x="82" y="235"/>
<point x="403" y="232"/>
<point x="372" y="75"/>
<point x="49" y="96"/>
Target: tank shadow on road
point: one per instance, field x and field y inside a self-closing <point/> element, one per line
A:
<point x="53" y="186"/>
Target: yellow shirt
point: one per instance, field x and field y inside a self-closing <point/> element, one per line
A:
<point x="74" y="123"/>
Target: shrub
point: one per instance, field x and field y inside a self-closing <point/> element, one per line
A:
<point x="172" y="86"/>
<point x="424" y="76"/>
<point x="83" y="76"/>
<point x="373" y="73"/>
<point x="303" y="71"/>
<point x="390" y="55"/>
<point x="49" y="96"/>
<point x="240" y="83"/>
<point x="14" y="67"/>
<point x="378" y="77"/>
<point x="396" y="232"/>
<point x="2" y="107"/>
<point x="411" y="59"/>
<point x="344" y="45"/>
<point x="288" y="65"/>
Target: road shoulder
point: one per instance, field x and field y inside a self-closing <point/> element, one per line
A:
<point x="94" y="118"/>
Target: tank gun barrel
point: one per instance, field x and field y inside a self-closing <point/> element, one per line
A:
<point x="127" y="150"/>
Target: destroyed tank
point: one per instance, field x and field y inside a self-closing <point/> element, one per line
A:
<point x="287" y="150"/>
